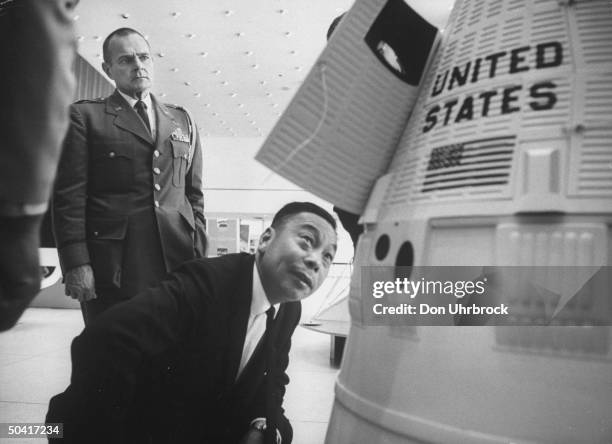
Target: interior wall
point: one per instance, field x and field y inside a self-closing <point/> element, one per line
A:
<point x="236" y="184"/>
<point x="230" y="167"/>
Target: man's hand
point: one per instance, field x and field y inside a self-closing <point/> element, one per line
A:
<point x="253" y="437"/>
<point x="80" y="283"/>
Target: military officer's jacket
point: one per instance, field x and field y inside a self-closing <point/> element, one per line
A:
<point x="118" y="192"/>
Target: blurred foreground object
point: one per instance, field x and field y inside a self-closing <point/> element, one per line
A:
<point x="37" y="49"/>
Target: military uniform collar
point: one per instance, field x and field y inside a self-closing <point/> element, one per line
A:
<point x="127" y="118"/>
<point x="132" y="101"/>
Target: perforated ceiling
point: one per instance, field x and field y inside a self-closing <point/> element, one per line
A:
<point x="235" y="64"/>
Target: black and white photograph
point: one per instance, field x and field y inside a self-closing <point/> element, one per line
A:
<point x="307" y="222"/>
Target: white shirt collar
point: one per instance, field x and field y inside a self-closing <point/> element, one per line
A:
<point x="150" y="112"/>
<point x="259" y="300"/>
<point x="132" y="101"/>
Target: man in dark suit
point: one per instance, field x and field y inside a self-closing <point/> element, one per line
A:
<point x="202" y="358"/>
<point x="128" y="205"/>
<point x="37" y="50"/>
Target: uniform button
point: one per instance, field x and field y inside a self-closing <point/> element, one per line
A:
<point x="156" y="204"/>
<point x="156" y="153"/>
<point x="156" y="170"/>
<point x="111" y="154"/>
<point x="157" y="187"/>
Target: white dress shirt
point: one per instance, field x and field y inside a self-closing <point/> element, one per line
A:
<point x="150" y="112"/>
<point x="256" y="325"/>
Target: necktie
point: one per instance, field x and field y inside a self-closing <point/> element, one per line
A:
<point x="141" y="109"/>
<point x="272" y="411"/>
<point x="269" y="317"/>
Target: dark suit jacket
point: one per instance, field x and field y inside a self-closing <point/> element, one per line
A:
<point x="162" y="366"/>
<point x="129" y="205"/>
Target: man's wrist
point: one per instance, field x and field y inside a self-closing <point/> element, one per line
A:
<point x="73" y="255"/>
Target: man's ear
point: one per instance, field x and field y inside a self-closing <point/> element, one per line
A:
<point x="106" y="68"/>
<point x="265" y="239"/>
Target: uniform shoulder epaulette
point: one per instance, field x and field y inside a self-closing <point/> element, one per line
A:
<point x="179" y="108"/>
<point x="175" y="106"/>
<point x="98" y="100"/>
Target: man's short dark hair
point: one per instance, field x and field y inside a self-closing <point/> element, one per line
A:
<point x="121" y="32"/>
<point x="301" y="207"/>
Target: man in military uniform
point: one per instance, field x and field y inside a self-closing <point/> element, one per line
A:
<point x="128" y="204"/>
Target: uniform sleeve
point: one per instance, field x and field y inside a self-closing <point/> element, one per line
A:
<point x="70" y="195"/>
<point x="193" y="189"/>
